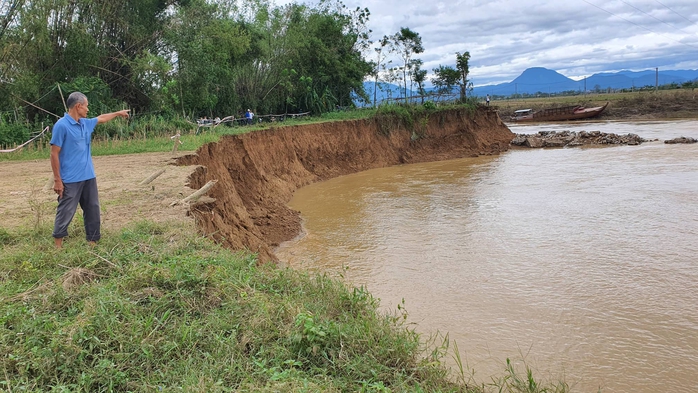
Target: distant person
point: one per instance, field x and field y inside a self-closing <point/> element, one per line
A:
<point x="249" y="116"/>
<point x="488" y="100"/>
<point x="73" y="172"/>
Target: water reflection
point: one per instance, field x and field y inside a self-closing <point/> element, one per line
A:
<point x="581" y="259"/>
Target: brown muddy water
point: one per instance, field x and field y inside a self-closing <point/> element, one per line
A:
<point x="582" y="261"/>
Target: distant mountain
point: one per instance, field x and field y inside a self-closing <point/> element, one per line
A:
<point x="542" y="80"/>
<point x="385" y="91"/>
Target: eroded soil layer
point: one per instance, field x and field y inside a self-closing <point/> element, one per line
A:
<point x="258" y="172"/>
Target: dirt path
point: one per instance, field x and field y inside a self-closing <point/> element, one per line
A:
<point x="25" y="196"/>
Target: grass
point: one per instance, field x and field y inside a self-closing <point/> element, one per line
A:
<point x="155" y="307"/>
<point x="157" y="139"/>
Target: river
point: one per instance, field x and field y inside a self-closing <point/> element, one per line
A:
<point x="581" y="261"/>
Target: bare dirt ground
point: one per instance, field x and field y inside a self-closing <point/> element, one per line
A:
<point x="26" y="197"/>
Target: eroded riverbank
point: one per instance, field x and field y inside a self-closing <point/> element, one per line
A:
<point x="258" y="172"/>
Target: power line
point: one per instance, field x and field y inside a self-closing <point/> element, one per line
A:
<point x="631" y="22"/>
<point x="690" y="21"/>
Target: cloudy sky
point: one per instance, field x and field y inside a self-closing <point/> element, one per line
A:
<point x="576" y="38"/>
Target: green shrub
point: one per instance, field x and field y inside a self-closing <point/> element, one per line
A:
<point x="12" y="134"/>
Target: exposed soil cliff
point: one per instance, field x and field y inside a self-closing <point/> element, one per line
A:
<point x="258" y="172"/>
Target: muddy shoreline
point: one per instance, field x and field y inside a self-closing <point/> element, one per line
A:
<point x="258" y="172"/>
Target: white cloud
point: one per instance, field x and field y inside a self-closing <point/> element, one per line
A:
<point x="573" y="37"/>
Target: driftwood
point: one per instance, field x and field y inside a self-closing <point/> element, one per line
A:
<point x="152" y="177"/>
<point x="196" y="195"/>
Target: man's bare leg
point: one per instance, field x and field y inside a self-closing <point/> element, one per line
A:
<point x="58" y="241"/>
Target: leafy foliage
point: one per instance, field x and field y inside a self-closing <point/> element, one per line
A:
<point x="180" y="57"/>
<point x="407" y="44"/>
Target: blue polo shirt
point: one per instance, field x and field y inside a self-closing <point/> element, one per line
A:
<point x="75" y="140"/>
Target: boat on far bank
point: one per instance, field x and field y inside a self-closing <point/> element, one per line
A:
<point x="558" y="114"/>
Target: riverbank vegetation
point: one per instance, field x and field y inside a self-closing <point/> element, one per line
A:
<point x="176" y="61"/>
<point x="154" y="134"/>
<point x="154" y="307"/>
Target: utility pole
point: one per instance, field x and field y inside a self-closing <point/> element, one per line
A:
<point x="656" y="78"/>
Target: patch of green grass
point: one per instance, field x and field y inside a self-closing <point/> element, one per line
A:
<point x="414" y="118"/>
<point x="113" y="146"/>
<point x="155" y="307"/>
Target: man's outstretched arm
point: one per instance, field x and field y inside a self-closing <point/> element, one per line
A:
<point x="103" y="118"/>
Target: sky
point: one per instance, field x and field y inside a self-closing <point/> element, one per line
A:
<point x="576" y="38"/>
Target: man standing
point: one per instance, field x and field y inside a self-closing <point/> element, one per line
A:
<point x="488" y="100"/>
<point x="73" y="173"/>
<point x="249" y="116"/>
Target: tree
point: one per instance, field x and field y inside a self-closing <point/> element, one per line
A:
<point x="325" y="50"/>
<point x="199" y="57"/>
<point x="445" y="78"/>
<point x="419" y="76"/>
<point x="207" y="49"/>
<point x="463" y="68"/>
<point x="383" y="45"/>
<point x="407" y="43"/>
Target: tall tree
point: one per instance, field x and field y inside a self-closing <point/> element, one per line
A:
<point x="325" y="53"/>
<point x="407" y="44"/>
<point x="464" y="69"/>
<point x="382" y="50"/>
<point x="419" y="76"/>
<point x="207" y="45"/>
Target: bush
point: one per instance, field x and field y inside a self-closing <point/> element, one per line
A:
<point x="12" y="134"/>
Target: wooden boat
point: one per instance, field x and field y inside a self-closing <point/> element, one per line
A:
<point x="558" y="114"/>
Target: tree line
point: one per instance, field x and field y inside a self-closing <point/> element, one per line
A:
<point x="189" y="57"/>
<point x="196" y="58"/>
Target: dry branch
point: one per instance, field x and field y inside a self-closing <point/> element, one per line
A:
<point x="153" y="176"/>
<point x="196" y="195"/>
